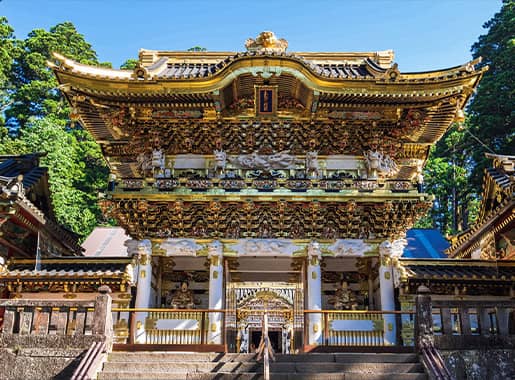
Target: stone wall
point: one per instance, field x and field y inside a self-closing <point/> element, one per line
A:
<point x="491" y="364"/>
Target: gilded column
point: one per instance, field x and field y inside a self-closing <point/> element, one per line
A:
<point x="314" y="287"/>
<point x="388" y="251"/>
<point x="144" y="287"/>
<point x="216" y="281"/>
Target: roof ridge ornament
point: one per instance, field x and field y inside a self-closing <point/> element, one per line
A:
<point x="266" y="42"/>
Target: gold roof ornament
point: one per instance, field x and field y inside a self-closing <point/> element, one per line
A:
<point x="266" y="42"/>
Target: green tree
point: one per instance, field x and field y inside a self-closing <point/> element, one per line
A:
<point x="9" y="49"/>
<point x="38" y="115"/>
<point x="454" y="170"/>
<point x="197" y="48"/>
<point x="36" y="93"/>
<point x="129" y="64"/>
<point x="446" y="177"/>
<point x="492" y="110"/>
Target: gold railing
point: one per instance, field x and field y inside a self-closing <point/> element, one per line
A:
<point x="165" y="326"/>
<point x="364" y="327"/>
<point x="192" y="326"/>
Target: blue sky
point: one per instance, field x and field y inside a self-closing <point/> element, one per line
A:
<point x="425" y="34"/>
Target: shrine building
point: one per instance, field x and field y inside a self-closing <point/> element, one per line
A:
<point x="270" y="181"/>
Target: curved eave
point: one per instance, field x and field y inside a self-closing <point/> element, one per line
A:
<point x="101" y="82"/>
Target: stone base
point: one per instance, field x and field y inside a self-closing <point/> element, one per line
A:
<point x="491" y="364"/>
<point x="42" y="357"/>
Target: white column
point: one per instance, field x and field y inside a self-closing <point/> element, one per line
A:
<point x="388" y="251"/>
<point x="314" y="294"/>
<point x="216" y="281"/>
<point x="144" y="287"/>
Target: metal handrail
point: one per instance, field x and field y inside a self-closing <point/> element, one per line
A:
<point x="434" y="362"/>
<point x="89" y="360"/>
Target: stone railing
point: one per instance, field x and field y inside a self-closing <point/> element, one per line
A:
<point x="460" y="325"/>
<point x="59" y="318"/>
<point x="42" y="339"/>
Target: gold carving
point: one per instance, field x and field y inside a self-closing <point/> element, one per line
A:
<point x="150" y="324"/>
<point x="215" y="274"/>
<point x="266" y="42"/>
<point x="266" y="218"/>
<point x="314" y="275"/>
<point x="215" y="260"/>
<point x="378" y="325"/>
<point x="143" y="273"/>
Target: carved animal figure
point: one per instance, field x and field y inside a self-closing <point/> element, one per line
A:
<point x="220" y="161"/>
<point x="280" y="160"/>
<point x="312" y="165"/>
<point x="379" y="162"/>
<point x="144" y="163"/>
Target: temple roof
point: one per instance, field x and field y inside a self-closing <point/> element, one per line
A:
<point x="61" y="268"/>
<point x="106" y="242"/>
<point x="458" y="270"/>
<point x="497" y="209"/>
<point x="26" y="210"/>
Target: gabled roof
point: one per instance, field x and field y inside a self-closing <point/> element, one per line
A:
<point x="67" y="275"/>
<point x="458" y="270"/>
<point x="106" y="242"/>
<point x="26" y="203"/>
<point x="496" y="210"/>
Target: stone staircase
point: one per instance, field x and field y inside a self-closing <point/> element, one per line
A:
<point x="220" y="366"/>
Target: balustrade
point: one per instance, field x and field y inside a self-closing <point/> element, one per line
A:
<point x="263" y="184"/>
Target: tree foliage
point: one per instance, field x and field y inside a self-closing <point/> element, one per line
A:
<point x="37" y="117"/>
<point x="492" y="111"/>
<point x="129" y="64"/>
<point x="455" y="167"/>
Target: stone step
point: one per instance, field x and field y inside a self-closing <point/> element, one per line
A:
<point x="255" y="376"/>
<point x="221" y="357"/>
<point x="238" y="367"/>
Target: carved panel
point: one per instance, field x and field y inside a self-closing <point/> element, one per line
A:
<point x="296" y="220"/>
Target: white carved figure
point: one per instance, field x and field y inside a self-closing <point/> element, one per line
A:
<point x="283" y="160"/>
<point x="314" y="249"/>
<point x="158" y="159"/>
<point x="280" y="160"/>
<point x="350" y="247"/>
<point x="215" y="249"/>
<point x="265" y="247"/>
<point x="180" y="247"/>
<point x="393" y="249"/>
<point x="378" y="162"/>
<point x="220" y="160"/>
<point x="312" y="165"/>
